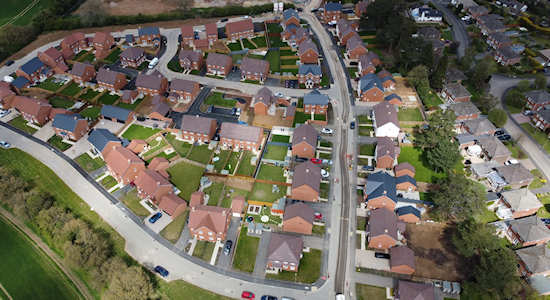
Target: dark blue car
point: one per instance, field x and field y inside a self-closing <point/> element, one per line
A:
<point x="162" y="271"/>
<point x="155" y="217"/>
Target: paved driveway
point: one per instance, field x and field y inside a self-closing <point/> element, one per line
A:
<point x="261" y="256"/>
<point x="45" y="133"/>
<point x="159" y="225"/>
<point x="80" y="147"/>
<point x="225" y="261"/>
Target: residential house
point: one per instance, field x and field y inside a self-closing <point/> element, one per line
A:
<point x="404" y="168"/>
<point x="172" y="205"/>
<point x="187" y="35"/>
<point x="528" y="231"/>
<point x="151" y="185"/>
<point x="149" y="36"/>
<point x="159" y="109"/>
<point x="506" y="56"/>
<point x="304" y="141"/>
<point x="494" y="149"/>
<point x="498" y="40"/>
<point x="182" y="90"/>
<point x="190" y="60"/>
<point x="306" y="182"/>
<point x="238" y="204"/>
<point x="290" y="16"/>
<point x="240" y="29"/>
<point x="295" y="35"/>
<point x="515" y="175"/>
<point x="152" y="84"/>
<point x="82" y="72"/>
<point x="545" y="55"/>
<point x="479" y="127"/>
<point x="490" y="24"/>
<point x="379" y="191"/>
<point x="402" y="260"/>
<point x="385" y="153"/>
<point x="32" y="110"/>
<point x="159" y="164"/>
<point x="382" y="229"/>
<point x="6" y="96"/>
<point x="264" y="102"/>
<point x="20" y="83"/>
<point x="137" y="146"/>
<point x="254" y="69"/>
<point x="70" y="126"/>
<point x="385" y="120"/>
<point x="426" y="14"/>
<point x="53" y="58"/>
<point x="534" y="261"/>
<point x="344" y="31"/>
<point x="355" y="48"/>
<point x="309" y="75"/>
<point x="298" y="218"/>
<point x="308" y="52"/>
<point x="102" y="141"/>
<point x="241" y="137"/>
<point x="132" y="57"/>
<point x="218" y="64"/>
<point x="408" y="290"/>
<point x="211" y="32"/>
<point x="541" y="119"/>
<point x="477" y="11"/>
<point x="394" y="99"/>
<point x="454" y="75"/>
<point x="198" y="129"/>
<point x="284" y="253"/>
<point x="371" y="88"/>
<point x="405" y="183"/>
<point x="361" y="7"/>
<point x="209" y="223"/>
<point x="517" y="204"/>
<point x="73" y="44"/>
<point x="116" y="114"/>
<point x="197" y="199"/>
<point x="429" y="33"/>
<point x="537" y="99"/>
<point x="368" y="63"/>
<point x="34" y="70"/>
<point x="465" y="111"/>
<point x="111" y="80"/>
<point x="332" y="12"/>
<point x="315" y="103"/>
<point x="103" y="42"/>
<point x="123" y="164"/>
<point x="455" y="92"/>
<point x="129" y="39"/>
<point x="408" y="214"/>
<point x="129" y="96"/>
<point x="387" y="80"/>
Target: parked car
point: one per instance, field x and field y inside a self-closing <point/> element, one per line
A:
<point x="381" y="255"/>
<point x="9" y="62"/>
<point x="224" y="20"/>
<point x="316" y="161"/>
<point x="504" y="137"/>
<point x="4" y="112"/>
<point x="227" y="247"/>
<point x="528" y="112"/>
<point x="162" y="271"/>
<point x="247" y="295"/>
<point x="352" y="125"/>
<point x="325" y="173"/>
<point x="368" y="168"/>
<point x="499" y="132"/>
<point x="511" y="162"/>
<point x="327" y="161"/>
<point x="210" y="109"/>
<point x="268" y="297"/>
<point x="155" y="217"/>
<point x="546" y="221"/>
<point x="318" y="216"/>
<point x="279" y="95"/>
<point x="327" y="131"/>
<point x="5" y="144"/>
<point x="300" y="159"/>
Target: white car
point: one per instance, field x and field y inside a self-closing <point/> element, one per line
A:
<point x="280" y="95"/>
<point x="325" y="173"/>
<point x="511" y="162"/>
<point x="5" y="144"/>
<point x="4" y="112"/>
<point x="327" y="131"/>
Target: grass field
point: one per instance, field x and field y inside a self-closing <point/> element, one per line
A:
<point x="275" y="152"/>
<point x="274" y="59"/>
<point x="26" y="272"/>
<point x="11" y="8"/>
<point x="423" y="172"/>
<point x="58" y="143"/>
<point x="172" y="232"/>
<point x="108" y="182"/>
<point x="245" y="167"/>
<point x="248" y="44"/>
<point x="20" y="123"/>
<point x="60" y="102"/>
<point x="411" y="114"/>
<point x="186" y="177"/>
<point x="91" y="112"/>
<point x="200" y="154"/>
<point x="217" y="99"/>
<point x="245" y="253"/>
<point x="309" y="269"/>
<point x="89" y="164"/>
<point x="139" y="132"/>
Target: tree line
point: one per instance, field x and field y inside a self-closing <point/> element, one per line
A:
<point x="82" y="246"/>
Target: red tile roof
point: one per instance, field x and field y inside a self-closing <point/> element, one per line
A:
<point x="170" y="203"/>
<point x="239" y="26"/>
<point x="187" y="31"/>
<point x="197" y="198"/>
<point x="212" y="217"/>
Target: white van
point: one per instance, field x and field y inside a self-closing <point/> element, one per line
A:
<point x="153" y="62"/>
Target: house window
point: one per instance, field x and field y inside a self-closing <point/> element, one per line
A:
<point x="200" y="231"/>
<point x="210" y="233"/>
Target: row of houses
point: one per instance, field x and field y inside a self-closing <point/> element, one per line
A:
<point x="333" y="11"/>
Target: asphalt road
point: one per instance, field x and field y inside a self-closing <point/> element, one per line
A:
<point x="460" y="34"/>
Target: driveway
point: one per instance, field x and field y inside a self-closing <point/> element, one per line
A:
<point x="80" y="147"/>
<point x="159" y="225"/>
<point x="45" y="133"/>
<point x="261" y="256"/>
<point x="225" y="261"/>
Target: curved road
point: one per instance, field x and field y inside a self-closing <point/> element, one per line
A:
<point x="460" y="34"/>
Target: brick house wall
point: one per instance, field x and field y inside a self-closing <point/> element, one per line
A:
<point x="357" y="52"/>
<point x="405" y="186"/>
<point x="195" y="65"/>
<point x="161" y="191"/>
<point x="402" y="269"/>
<point x="468" y="117"/>
<point x="316" y="109"/>
<point x="254" y="76"/>
<point x="385" y="162"/>
<point x="239" y="144"/>
<point x="134" y="63"/>
<point x="241" y="35"/>
<point x="120" y="82"/>
<point x="130" y="174"/>
<point x="332" y="16"/>
<point x="305" y="193"/>
<point x="80" y="130"/>
<point x="218" y="70"/>
<point x="303" y="78"/>
<point x="286" y="266"/>
<point x="148" y="39"/>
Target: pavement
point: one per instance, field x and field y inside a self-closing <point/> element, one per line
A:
<point x="460" y="34"/>
<point x="226" y="261"/>
<point x="45" y="132"/>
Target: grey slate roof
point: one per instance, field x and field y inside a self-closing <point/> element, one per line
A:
<point x="289" y="13"/>
<point x="544" y="114"/>
<point x="354" y="41"/>
<point x="514" y="173"/>
<point x="507" y="52"/>
<point x="454" y="74"/>
<point x="306" y="133"/>
<point x="152" y="81"/>
<point x="405" y="178"/>
<point x="479" y="10"/>
<point x="305" y="69"/>
<point x="385" y="146"/>
<point x="264" y="95"/>
<point x="132" y="53"/>
<point x="530" y="228"/>
<point x="66" y="121"/>
<point x="464" y="108"/>
<point x="307" y="173"/>
<point x="370" y="81"/>
<point x="406" y="210"/>
<point x="148" y="30"/>
<point x="384" y="113"/>
<point x="380" y="184"/>
<point x="333" y="6"/>
<point x="79" y="68"/>
<point x="182" y="85"/>
<point x="192" y="56"/>
<point x="99" y="138"/>
<point x="457" y="90"/>
<point x="160" y="106"/>
<point x="479" y="126"/>
<point x="306" y="45"/>
<point x="500" y="37"/>
<point x="119" y="113"/>
<point x="536" y="259"/>
<point x="538" y="96"/>
<point x="299" y="209"/>
<point x="217" y="59"/>
<point x="383" y="221"/>
<point x="522" y="199"/>
<point x="196" y="124"/>
<point x="254" y="65"/>
<point x="240" y="132"/>
<point x="32" y="65"/>
<point x="492" y="22"/>
<point x="493" y="146"/>
<point x="401" y="255"/>
<point x="20" y="82"/>
<point x="285" y="248"/>
<point x="315" y="98"/>
<point x="408" y="290"/>
<point x="107" y="76"/>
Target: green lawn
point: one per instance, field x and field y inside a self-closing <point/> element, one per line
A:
<point x="538" y="180"/>
<point x="232" y="162"/>
<point x="108" y="99"/>
<point x="58" y="143"/>
<point x="217" y="99"/>
<point x="544" y="212"/>
<point x="409" y="114"/>
<point x="538" y="135"/>
<point x="280" y="138"/>
<point x="289" y="62"/>
<point x="88" y="57"/>
<point x="248" y="44"/>
<point x="61" y="102"/>
<point x="155" y="146"/>
<point x="326" y="144"/>
<point x="274" y="60"/>
<point x="173" y="231"/>
<point x="113" y="56"/>
<point x="163" y="155"/>
<point x="324" y="155"/>
<point x="80" y="55"/>
<point x="231" y="192"/>
<point x="215" y="193"/>
<point x="309" y="269"/>
<point x="516" y="151"/>
<point x="181" y="147"/>
<point x="245" y="167"/>
<point x="262" y="192"/>
<point x="300" y="118"/>
<point x="89" y="95"/>
<point x="447" y="34"/>
<point x="203" y="250"/>
<point x="486" y="216"/>
<point x="235" y="46"/>
<point x="367" y="149"/>
<point x="352" y="71"/>
<point x="71" y="89"/>
<point x="139" y="132"/>
<point x="364" y="119"/>
<point x="414" y="157"/>
<point x="132" y="200"/>
<point x="50" y="85"/>
<point x="361" y="223"/>
<point x="275" y="152"/>
<point x="223" y="156"/>
<point x="288" y="53"/>
<point x="324" y="188"/>
<point x="270" y="172"/>
<point x="200" y="154"/>
<point x="108" y="182"/>
<point x="89" y="164"/>
<point x="179" y="289"/>
<point x="368" y="292"/>
<point x="26" y="272"/>
<point x="431" y="99"/>
<point x="186" y="177"/>
<point x="129" y="106"/>
<point x="245" y="254"/>
<point x="260" y="41"/>
<point x="274" y="28"/>
<point x="91" y="112"/>
<point x="143" y="66"/>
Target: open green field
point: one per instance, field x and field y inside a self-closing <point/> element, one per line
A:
<point x="423" y="171"/>
<point x="12" y="8"/>
<point x="245" y="253"/>
<point x="137" y="132"/>
<point x="186" y="177"/>
<point x="26" y="272"/>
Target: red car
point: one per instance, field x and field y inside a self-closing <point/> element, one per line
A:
<point x="318" y="216"/>
<point x="316" y="161"/>
<point x="247" y="295"/>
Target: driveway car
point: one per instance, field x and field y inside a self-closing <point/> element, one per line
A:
<point x="247" y="295"/>
<point x="155" y="217"/>
<point x="327" y="131"/>
<point x="9" y="62"/>
<point x="317" y="161"/>
<point x="5" y="144"/>
<point x="268" y="297"/>
<point x="504" y="137"/>
<point x="162" y="271"/>
<point x="325" y="173"/>
<point x="352" y="125"/>
<point x="227" y="247"/>
<point x="318" y="216"/>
